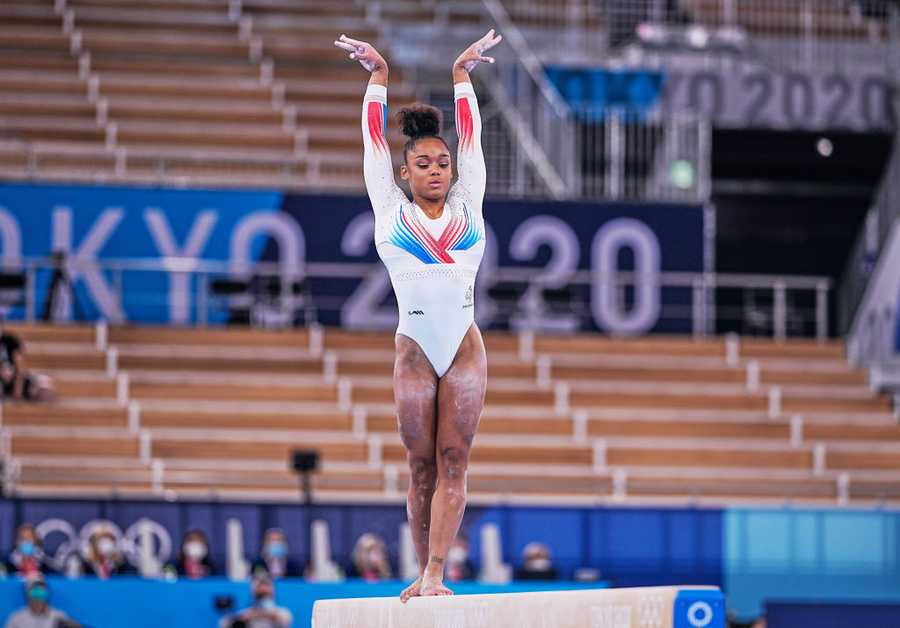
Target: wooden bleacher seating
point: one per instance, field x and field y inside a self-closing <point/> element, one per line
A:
<point x="583" y="418"/>
<point x="190" y="92"/>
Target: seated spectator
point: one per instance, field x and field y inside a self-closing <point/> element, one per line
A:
<point x="370" y="559"/>
<point x="27" y="559"/>
<point x="273" y="558"/>
<point x="264" y="613"/>
<point x="38" y="613"/>
<point x="537" y="564"/>
<point x="16" y="381"/>
<point x="459" y="567"/>
<point x="192" y="560"/>
<point x="104" y="558"/>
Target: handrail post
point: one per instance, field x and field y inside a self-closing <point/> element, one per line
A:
<point x="202" y="299"/>
<point x="822" y="311"/>
<point x="779" y="313"/>
<point x="698" y="307"/>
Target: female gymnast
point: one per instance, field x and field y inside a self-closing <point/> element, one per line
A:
<point x="432" y="248"/>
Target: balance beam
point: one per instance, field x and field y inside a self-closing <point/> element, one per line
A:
<point x="647" y="607"/>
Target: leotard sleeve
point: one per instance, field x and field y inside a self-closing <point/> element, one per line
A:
<point x="469" y="155"/>
<point x="378" y="172"/>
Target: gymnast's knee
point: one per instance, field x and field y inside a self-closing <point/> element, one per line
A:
<point x="423" y="472"/>
<point x="453" y="463"/>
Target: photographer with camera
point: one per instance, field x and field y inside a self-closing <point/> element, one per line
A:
<point x="264" y="613"/>
<point x="38" y="613"/>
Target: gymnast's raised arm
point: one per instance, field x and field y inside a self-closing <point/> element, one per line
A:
<point x="469" y="156"/>
<point x="378" y="171"/>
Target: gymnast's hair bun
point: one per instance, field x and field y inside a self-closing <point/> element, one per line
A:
<point x="419" y="120"/>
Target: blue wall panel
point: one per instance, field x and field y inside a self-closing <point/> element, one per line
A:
<point x="134" y="603"/>
<point x="813" y="555"/>
<point x="832" y="615"/>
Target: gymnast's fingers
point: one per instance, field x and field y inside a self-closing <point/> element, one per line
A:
<point x="343" y="46"/>
<point x="355" y="42"/>
<point x="490" y="43"/>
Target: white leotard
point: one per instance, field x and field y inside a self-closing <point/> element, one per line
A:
<point x="432" y="263"/>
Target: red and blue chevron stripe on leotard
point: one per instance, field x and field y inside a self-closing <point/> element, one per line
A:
<point x="377" y="117"/>
<point x="460" y="234"/>
<point x="464" y="124"/>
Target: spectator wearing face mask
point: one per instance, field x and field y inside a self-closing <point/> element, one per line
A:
<point x="370" y="559"/>
<point x="27" y="559"/>
<point x="192" y="560"/>
<point x="459" y="567"/>
<point x="264" y="613"/>
<point x="273" y="558"/>
<point x="38" y="613"/>
<point x="537" y="563"/>
<point x="104" y="558"/>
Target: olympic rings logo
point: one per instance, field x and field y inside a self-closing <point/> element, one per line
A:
<point x="130" y="542"/>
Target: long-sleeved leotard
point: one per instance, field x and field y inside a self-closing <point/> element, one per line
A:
<point x="432" y="262"/>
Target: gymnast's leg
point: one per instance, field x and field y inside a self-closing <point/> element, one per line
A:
<point x="460" y="400"/>
<point x="415" y="394"/>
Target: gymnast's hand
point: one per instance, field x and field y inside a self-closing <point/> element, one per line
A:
<point x="363" y="52"/>
<point x="474" y="54"/>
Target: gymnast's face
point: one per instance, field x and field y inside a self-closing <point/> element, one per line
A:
<point x="428" y="169"/>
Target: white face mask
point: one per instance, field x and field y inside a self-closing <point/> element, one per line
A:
<point x="106" y="546"/>
<point x="456" y="555"/>
<point x="195" y="550"/>
<point x="538" y="564"/>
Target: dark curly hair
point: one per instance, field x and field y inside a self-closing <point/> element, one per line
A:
<point x="419" y="122"/>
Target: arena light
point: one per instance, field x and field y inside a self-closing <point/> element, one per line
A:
<point x="697" y="37"/>
<point x="651" y="33"/>
<point x="825" y="147"/>
<point x="681" y="173"/>
<point x="693" y="37"/>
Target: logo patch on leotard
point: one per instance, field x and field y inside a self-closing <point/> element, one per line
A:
<point x="460" y="234"/>
<point x="469" y="297"/>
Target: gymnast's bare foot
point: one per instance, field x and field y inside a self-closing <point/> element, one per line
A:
<point x="433" y="586"/>
<point x="412" y="590"/>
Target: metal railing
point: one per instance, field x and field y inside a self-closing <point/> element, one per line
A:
<point x="807" y="35"/>
<point x="623" y="154"/>
<point x="539" y="116"/>
<point x="537" y="144"/>
<point x="560" y="31"/>
<point x="528" y="131"/>
<point x="885" y="211"/>
<point x="696" y="303"/>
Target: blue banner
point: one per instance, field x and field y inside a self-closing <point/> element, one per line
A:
<point x="557" y="240"/>
<point x="558" y="243"/>
<point x="598" y="88"/>
<point x="629" y="546"/>
<point x="97" y="224"/>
